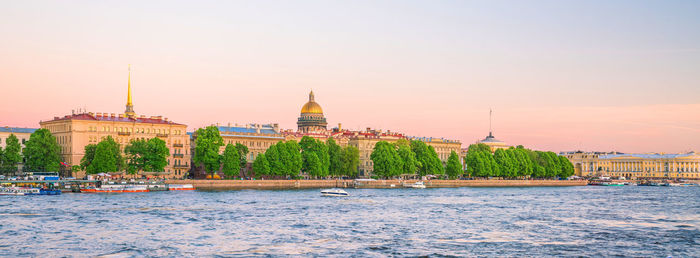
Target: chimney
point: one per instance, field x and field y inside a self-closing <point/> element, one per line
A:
<point x="276" y="127"/>
<point x="340" y="127"/>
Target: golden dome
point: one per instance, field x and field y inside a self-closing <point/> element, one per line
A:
<point x="311" y="107"/>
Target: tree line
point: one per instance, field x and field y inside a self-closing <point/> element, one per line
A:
<point x="284" y="159"/>
<point x="411" y="158"/>
<point x="139" y="155"/>
<point x="516" y="162"/>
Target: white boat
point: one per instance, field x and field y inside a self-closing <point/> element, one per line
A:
<point x="334" y="192"/>
<point x="180" y="187"/>
<point x="19" y="191"/>
<point x="417" y="185"/>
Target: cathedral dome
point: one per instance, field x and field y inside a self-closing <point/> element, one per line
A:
<point x="311" y="107"/>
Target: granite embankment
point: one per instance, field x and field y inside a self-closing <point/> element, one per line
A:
<point x="305" y="184"/>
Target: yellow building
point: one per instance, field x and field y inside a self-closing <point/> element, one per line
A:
<point x="494" y="143"/>
<point x="73" y="132"/>
<point x="22" y="135"/>
<point x="652" y="165"/>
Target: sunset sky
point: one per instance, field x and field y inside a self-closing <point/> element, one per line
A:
<point x="559" y="75"/>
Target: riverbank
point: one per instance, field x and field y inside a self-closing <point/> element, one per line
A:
<point x="310" y="184"/>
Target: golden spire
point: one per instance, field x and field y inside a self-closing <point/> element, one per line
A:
<point x="129" y="106"/>
<point x="311" y="96"/>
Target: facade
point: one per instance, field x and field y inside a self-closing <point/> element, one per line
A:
<point x="257" y="137"/>
<point x="73" y="132"/>
<point x="651" y="165"/>
<point x="311" y="118"/>
<point x="22" y="135"/>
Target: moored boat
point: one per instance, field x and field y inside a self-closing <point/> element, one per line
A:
<point x="180" y="187"/>
<point x="334" y="192"/>
<point x="417" y="185"/>
<point x="19" y="191"/>
<point x="116" y="189"/>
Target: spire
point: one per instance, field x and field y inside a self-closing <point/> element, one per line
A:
<point x="129" y="106"/>
<point x="311" y="96"/>
<point x="490" y="112"/>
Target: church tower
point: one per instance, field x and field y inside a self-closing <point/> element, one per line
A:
<point x="311" y="117"/>
<point x="129" y="106"/>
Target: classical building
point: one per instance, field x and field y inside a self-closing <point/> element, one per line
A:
<point x="648" y="165"/>
<point x="311" y="118"/>
<point x="73" y="132"/>
<point x="257" y="137"/>
<point x="494" y="143"/>
<point x="22" y="135"/>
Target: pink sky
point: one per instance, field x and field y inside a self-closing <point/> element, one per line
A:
<point x="558" y="80"/>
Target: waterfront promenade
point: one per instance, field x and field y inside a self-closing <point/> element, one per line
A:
<point x="308" y="184"/>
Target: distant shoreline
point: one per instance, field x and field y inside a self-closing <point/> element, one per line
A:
<point x="311" y="184"/>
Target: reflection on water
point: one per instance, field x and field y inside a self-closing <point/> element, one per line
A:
<point x="568" y="221"/>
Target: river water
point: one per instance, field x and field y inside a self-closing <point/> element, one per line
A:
<point x="538" y="221"/>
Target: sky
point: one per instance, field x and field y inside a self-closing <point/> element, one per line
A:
<point x="558" y="75"/>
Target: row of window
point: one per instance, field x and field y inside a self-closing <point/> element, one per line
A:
<point x="136" y="130"/>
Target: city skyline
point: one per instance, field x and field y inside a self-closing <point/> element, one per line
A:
<point x="584" y="89"/>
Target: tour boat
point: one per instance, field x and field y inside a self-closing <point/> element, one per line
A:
<point x="116" y="189"/>
<point x="417" y="185"/>
<point x="334" y="192"/>
<point x="180" y="187"/>
<point x="19" y="191"/>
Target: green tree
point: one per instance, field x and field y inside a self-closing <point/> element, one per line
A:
<point x="274" y="161"/>
<point x="231" y="161"/>
<point x="454" y="167"/>
<point x="295" y="159"/>
<point x="206" y="151"/>
<point x="351" y="160"/>
<point x="429" y="163"/>
<point x="408" y="158"/>
<point x="320" y="149"/>
<point x="335" y="154"/>
<point x="41" y="152"/>
<point x="567" y="169"/>
<point x="88" y="157"/>
<point x="260" y="166"/>
<point x="314" y="167"/>
<point x="387" y="162"/>
<point x="136" y="155"/>
<point x="243" y="154"/>
<point x="108" y="157"/>
<point x="158" y="153"/>
<point x="11" y="156"/>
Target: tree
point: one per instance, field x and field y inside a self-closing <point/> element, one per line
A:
<point x="41" y="152"/>
<point x="314" y="167"/>
<point x="158" y="153"/>
<point x="387" y="162"/>
<point x="243" y="154"/>
<point x="351" y="160"/>
<point x="89" y="155"/>
<point x="454" y="167"/>
<point x="273" y="159"/>
<point x="261" y="166"/>
<point x="108" y="157"/>
<point x="320" y="149"/>
<point x="231" y="160"/>
<point x="408" y="158"/>
<point x="136" y="155"/>
<point x="206" y="150"/>
<point x="567" y="169"/>
<point x="335" y="154"/>
<point x="12" y="154"/>
<point x="295" y="159"/>
<point x="429" y="163"/>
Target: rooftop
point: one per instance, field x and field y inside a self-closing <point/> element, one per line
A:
<point x="116" y="118"/>
<point x="8" y="129"/>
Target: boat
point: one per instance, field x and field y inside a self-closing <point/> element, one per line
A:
<point x="180" y="187"/>
<point x="44" y="191"/>
<point x="116" y="189"/>
<point x="19" y="191"/>
<point x="417" y="185"/>
<point x="334" y="192"/>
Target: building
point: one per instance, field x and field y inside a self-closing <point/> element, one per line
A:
<point x="494" y="143"/>
<point x="73" y="132"/>
<point x="22" y="135"/>
<point x="311" y="118"/>
<point x="648" y="165"/>
<point x="256" y="137"/>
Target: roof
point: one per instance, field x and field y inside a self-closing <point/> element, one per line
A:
<point x="105" y="117"/>
<point x="7" y="129"/>
<point x="264" y="129"/>
<point x="648" y="156"/>
<point x="490" y="138"/>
